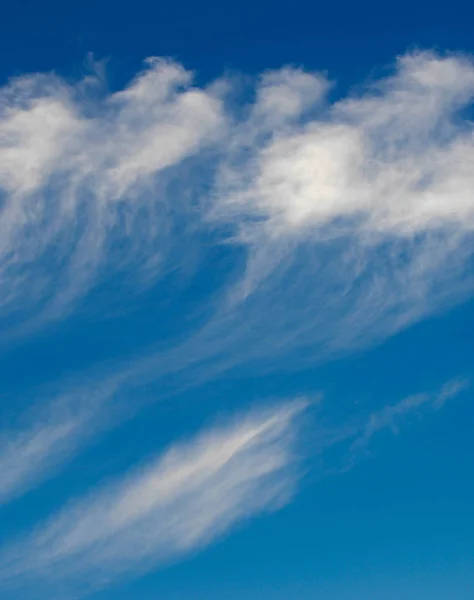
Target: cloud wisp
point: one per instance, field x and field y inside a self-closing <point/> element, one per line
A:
<point x="347" y="220"/>
<point x="181" y="501"/>
<point x="358" y="216"/>
<point x="194" y="493"/>
<point x="83" y="183"/>
<point x="391" y="417"/>
<point x="46" y="437"/>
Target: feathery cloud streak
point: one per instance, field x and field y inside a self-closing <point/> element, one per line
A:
<point x="46" y="437"/>
<point x="192" y="494"/>
<point x="392" y="416"/>
<point x="177" y="503"/>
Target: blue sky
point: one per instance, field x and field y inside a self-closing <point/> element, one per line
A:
<point x="236" y="301"/>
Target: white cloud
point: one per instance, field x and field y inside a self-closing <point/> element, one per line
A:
<point x="46" y="437"/>
<point x="357" y="217"/>
<point x="396" y="158"/>
<point x="79" y="170"/>
<point x="24" y="458"/>
<point x="193" y="493"/>
<point x="390" y="417"/>
<point x="351" y="219"/>
<point x="181" y="501"/>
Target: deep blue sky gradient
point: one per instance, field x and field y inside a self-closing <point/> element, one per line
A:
<point x="400" y="523"/>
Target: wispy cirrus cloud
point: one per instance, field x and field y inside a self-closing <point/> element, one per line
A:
<point x="45" y="438"/>
<point x="362" y="207"/>
<point x="357" y="215"/>
<point x="392" y="416"/>
<point x="176" y="503"/>
<point x="194" y="493"/>
<point x="83" y="182"/>
<point x="348" y="220"/>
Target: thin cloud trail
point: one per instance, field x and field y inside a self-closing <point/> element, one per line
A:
<point x="392" y="416"/>
<point x="176" y="503"/>
<point x="341" y="443"/>
<point x="194" y="493"/>
<point x="48" y="435"/>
